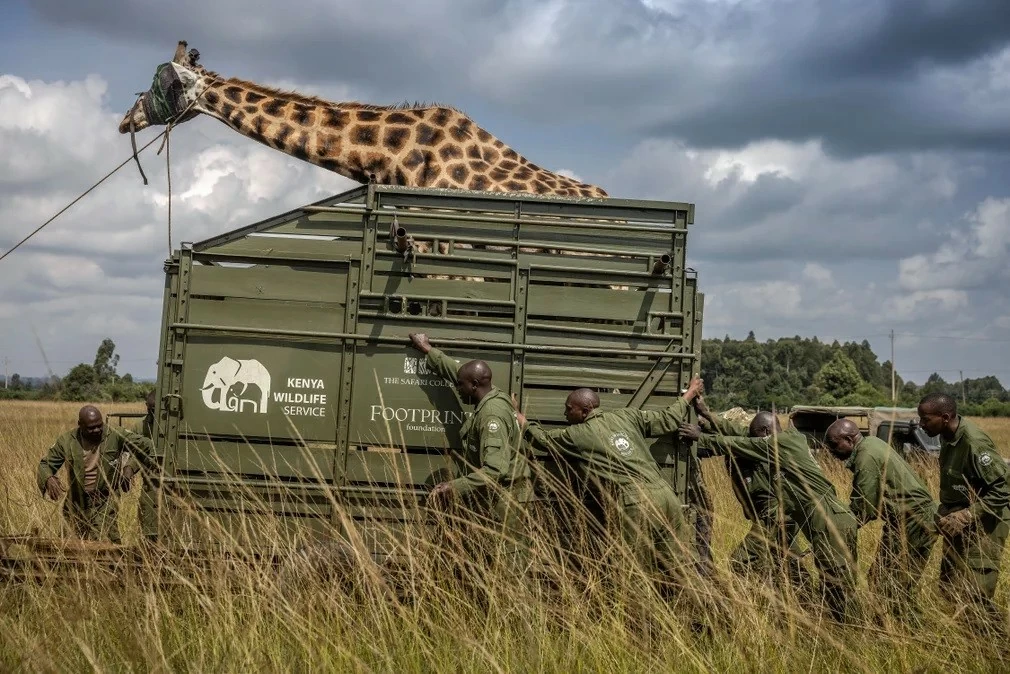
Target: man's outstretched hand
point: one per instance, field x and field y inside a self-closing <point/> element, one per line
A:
<point x="54" y="488"/>
<point x="420" y="341"/>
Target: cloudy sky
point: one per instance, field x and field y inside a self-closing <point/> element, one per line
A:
<point x="850" y="161"/>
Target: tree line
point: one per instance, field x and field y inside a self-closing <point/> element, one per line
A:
<point x="797" y="370"/>
<point x="94" y="382"/>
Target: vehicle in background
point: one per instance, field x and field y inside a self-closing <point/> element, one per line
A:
<point x="897" y="426"/>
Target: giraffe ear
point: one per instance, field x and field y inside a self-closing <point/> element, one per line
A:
<point x="180" y="53"/>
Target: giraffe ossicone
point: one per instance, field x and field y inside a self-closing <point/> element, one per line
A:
<point x="414" y="146"/>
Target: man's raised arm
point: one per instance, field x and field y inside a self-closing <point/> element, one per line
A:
<point x="440" y="364"/>
<point x="661" y="422"/>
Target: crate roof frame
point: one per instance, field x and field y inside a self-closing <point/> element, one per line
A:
<point x="527" y="204"/>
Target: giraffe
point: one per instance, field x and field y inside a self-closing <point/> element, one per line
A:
<point x="411" y="145"/>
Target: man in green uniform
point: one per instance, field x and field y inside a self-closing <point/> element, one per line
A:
<point x="148" y="513"/>
<point x="496" y="476"/>
<point x="808" y="498"/>
<point x="99" y="463"/>
<point x="611" y="447"/>
<point x="974" y="513"/>
<point x="771" y="549"/>
<point x="884" y="486"/>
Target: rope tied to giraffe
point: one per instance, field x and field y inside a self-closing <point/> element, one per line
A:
<point x="163" y="104"/>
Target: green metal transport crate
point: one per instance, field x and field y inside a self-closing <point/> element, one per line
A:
<point x="287" y="386"/>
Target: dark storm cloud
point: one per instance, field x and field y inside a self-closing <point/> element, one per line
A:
<point x="397" y="43"/>
<point x="864" y="75"/>
<point x="886" y="39"/>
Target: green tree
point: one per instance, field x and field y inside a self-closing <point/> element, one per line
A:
<point x="865" y="395"/>
<point x="984" y="389"/>
<point x="935" y="384"/>
<point x="80" y="384"/>
<point x="106" y="360"/>
<point x="838" y="377"/>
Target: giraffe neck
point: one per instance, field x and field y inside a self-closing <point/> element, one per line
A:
<point x="417" y="147"/>
<point x="317" y="131"/>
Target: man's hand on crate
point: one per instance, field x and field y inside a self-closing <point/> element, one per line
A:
<point x="694" y="389"/>
<point x="420" y="341"/>
<point x="689" y="432"/>
<point x="520" y="417"/>
<point x="440" y="496"/>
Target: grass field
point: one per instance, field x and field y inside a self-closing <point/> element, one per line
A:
<point x="253" y="619"/>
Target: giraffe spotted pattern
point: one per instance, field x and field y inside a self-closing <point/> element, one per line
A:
<point x="409" y="145"/>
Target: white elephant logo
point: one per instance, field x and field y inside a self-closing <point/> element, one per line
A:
<point x="226" y="374"/>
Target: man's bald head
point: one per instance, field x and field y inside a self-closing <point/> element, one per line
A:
<point x="579" y="404"/>
<point x="473" y="380"/>
<point x="88" y="415"/>
<point x="842" y="437"/>
<point x="89" y="421"/>
<point x="475" y="369"/>
<point x="763" y="424"/>
<point x="840" y="428"/>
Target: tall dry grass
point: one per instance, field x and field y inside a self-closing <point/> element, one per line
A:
<point x="164" y="616"/>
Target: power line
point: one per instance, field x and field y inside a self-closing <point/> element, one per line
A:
<point x="952" y="337"/>
<point x="938" y="370"/>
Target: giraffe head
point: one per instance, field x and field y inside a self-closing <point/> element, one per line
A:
<point x="175" y="86"/>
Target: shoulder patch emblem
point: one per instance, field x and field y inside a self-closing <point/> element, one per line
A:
<point x="492" y="426"/>
<point x="621" y="443"/>
<point x="985" y="459"/>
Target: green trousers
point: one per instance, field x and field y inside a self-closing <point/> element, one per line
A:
<point x="906" y="543"/>
<point x="969" y="567"/>
<point x="652" y="525"/>
<point x="95" y="519"/>
<point x="701" y="502"/>
<point x="771" y="551"/>
<point x="490" y="530"/>
<point x="833" y="533"/>
<point x="148" y="506"/>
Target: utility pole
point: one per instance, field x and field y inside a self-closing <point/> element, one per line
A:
<point x="5" y="371"/>
<point x="964" y="401"/>
<point x="893" y="391"/>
